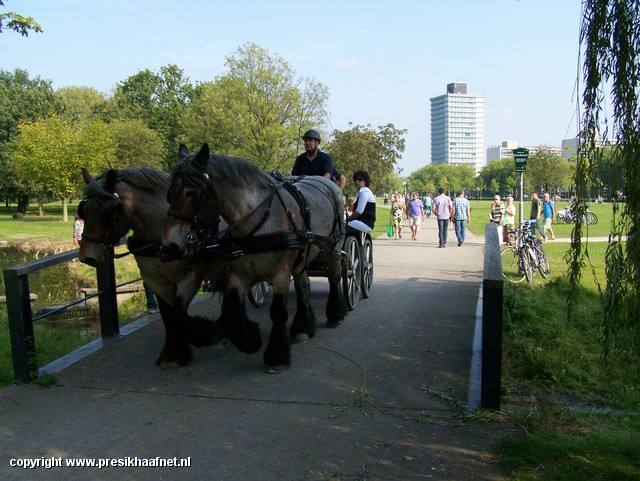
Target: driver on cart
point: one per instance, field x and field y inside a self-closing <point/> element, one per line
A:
<point x="363" y="217"/>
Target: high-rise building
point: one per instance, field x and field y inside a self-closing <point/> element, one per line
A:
<point x="457" y="127"/>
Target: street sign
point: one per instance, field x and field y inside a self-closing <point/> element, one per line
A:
<point x="521" y="156"/>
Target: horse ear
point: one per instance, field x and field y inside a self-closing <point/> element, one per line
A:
<point x="202" y="157"/>
<point x="183" y="152"/>
<point x="110" y="181"/>
<point x="88" y="178"/>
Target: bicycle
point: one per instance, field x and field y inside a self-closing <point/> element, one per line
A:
<point x="523" y="255"/>
<point x="567" y="216"/>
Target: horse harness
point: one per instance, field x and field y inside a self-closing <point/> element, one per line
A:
<point x="224" y="244"/>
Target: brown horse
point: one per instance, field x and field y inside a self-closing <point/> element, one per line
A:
<point x="136" y="199"/>
<point x="279" y="227"/>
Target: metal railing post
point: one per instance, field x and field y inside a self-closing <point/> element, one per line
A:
<point x="492" y="297"/>
<point x="107" y="298"/>
<point x="23" y="346"/>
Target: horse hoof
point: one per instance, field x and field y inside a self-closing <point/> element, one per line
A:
<point x="274" y="369"/>
<point x="301" y="337"/>
<point x="222" y="342"/>
<point x="169" y="366"/>
<point x="335" y="324"/>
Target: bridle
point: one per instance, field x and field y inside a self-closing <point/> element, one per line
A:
<point x="109" y="240"/>
<point x="202" y="237"/>
<point x="198" y="232"/>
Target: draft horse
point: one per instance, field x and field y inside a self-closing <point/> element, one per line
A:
<point x="277" y="225"/>
<point x="136" y="199"/>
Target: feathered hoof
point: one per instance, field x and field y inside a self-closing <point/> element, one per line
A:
<point x="275" y="369"/>
<point x="221" y="342"/>
<point x="169" y="366"/>
<point x="335" y="324"/>
<point x="300" y="337"/>
<point x="170" y="361"/>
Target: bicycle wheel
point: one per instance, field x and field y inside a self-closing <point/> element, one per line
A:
<point x="591" y="218"/>
<point x="528" y="263"/>
<point x="512" y="270"/>
<point x="543" y="263"/>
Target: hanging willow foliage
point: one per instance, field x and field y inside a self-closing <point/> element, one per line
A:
<point x="610" y="37"/>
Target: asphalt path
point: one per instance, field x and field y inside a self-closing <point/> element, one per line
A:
<point x="385" y="397"/>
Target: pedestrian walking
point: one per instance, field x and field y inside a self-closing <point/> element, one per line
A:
<point x="416" y="215"/>
<point x="443" y="208"/>
<point x="534" y="216"/>
<point x="548" y="212"/>
<point x="461" y="215"/>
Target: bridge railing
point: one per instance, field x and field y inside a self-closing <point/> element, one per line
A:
<point x="20" y="315"/>
<point x="492" y="297"/>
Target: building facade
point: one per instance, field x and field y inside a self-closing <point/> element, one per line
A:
<point x="457" y="128"/>
<point x="505" y="150"/>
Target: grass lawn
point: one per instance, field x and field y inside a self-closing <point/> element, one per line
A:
<point x="480" y="216"/>
<point x="580" y="412"/>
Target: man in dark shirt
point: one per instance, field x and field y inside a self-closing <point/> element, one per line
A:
<point x="313" y="161"/>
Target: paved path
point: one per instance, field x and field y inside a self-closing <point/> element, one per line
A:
<point x="382" y="398"/>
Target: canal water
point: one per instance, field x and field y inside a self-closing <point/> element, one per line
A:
<point x="54" y="285"/>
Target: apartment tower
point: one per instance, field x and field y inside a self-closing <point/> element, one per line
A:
<point x="457" y="128"/>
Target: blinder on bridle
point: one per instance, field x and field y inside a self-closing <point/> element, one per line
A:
<point x="199" y="233"/>
<point x="107" y="241"/>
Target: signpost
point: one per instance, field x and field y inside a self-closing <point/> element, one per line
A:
<point x="521" y="155"/>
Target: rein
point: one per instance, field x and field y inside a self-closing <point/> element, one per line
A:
<point x="226" y="245"/>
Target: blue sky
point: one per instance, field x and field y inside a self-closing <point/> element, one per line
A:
<point x="382" y="60"/>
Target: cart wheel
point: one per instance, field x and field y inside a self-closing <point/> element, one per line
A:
<point x="351" y="272"/>
<point x="367" y="267"/>
<point x="258" y="293"/>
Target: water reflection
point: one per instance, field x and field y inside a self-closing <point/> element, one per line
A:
<point x="58" y="284"/>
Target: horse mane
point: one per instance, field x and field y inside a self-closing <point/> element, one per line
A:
<point x="144" y="178"/>
<point x="231" y="171"/>
<point x="239" y="172"/>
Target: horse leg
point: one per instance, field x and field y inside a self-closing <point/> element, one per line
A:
<point x="235" y="324"/>
<point x="303" y="326"/>
<point x="277" y="355"/>
<point x="177" y="351"/>
<point x="336" y="306"/>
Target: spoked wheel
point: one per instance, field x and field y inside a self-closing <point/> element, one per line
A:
<point x="351" y="272"/>
<point x="512" y="268"/>
<point x="543" y="263"/>
<point x="528" y="263"/>
<point x="259" y="293"/>
<point x="367" y="267"/>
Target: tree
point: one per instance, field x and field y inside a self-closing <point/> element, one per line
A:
<point x="18" y="23"/>
<point x="48" y="154"/>
<point x="433" y="176"/>
<point x="21" y="100"/>
<point x="158" y="99"/>
<point x="612" y="60"/>
<point x="546" y="171"/>
<point x="363" y="148"/>
<point x="79" y="104"/>
<point x="258" y="110"/>
<point x="136" y="145"/>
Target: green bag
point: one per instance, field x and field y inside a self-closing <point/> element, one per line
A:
<point x="390" y="230"/>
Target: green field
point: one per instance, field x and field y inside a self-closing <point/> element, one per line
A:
<point x="480" y="216"/>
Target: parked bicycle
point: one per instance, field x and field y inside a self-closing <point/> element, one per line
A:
<point x="567" y="216"/>
<point x="523" y="256"/>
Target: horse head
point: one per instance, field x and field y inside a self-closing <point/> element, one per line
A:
<point x="101" y="212"/>
<point x="193" y="214"/>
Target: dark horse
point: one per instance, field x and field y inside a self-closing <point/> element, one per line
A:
<point x="136" y="199"/>
<point x="278" y="226"/>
